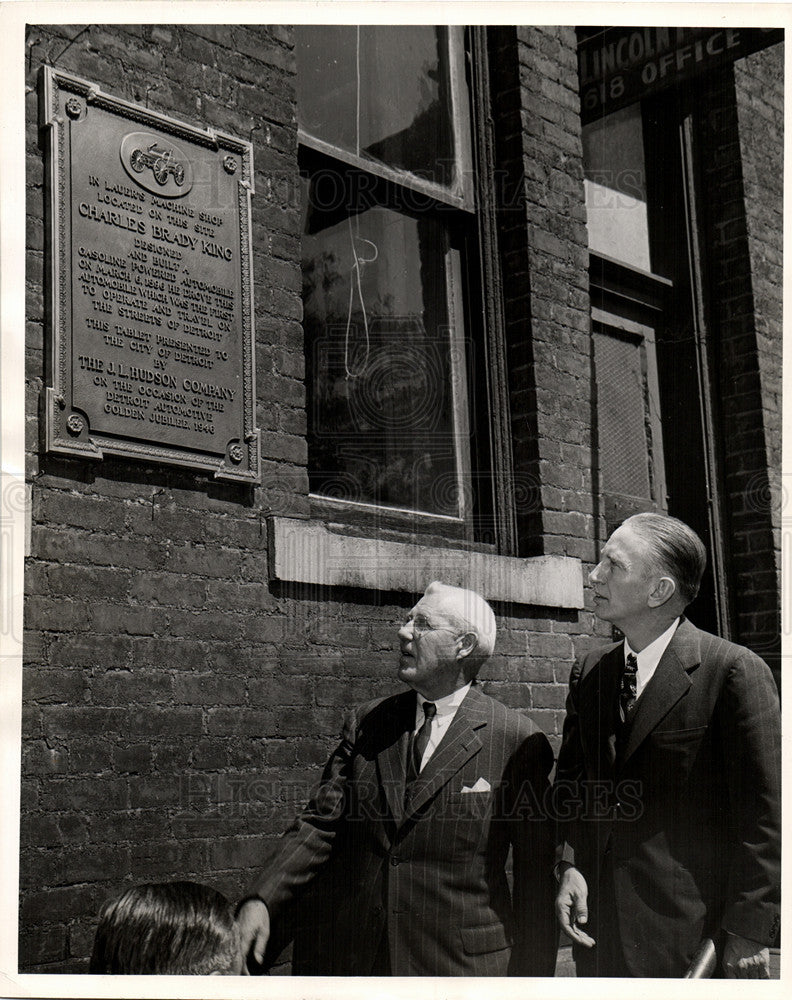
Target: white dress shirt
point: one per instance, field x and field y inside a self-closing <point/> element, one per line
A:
<point x="446" y="710"/>
<point x="650" y="656"/>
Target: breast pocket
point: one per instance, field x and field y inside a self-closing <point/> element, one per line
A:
<point x="677" y="739"/>
<point x="470" y="803"/>
<point x="466" y="817"/>
<point x="673" y="754"/>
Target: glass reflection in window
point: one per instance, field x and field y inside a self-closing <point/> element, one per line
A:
<point x="381" y="92"/>
<point x="381" y="422"/>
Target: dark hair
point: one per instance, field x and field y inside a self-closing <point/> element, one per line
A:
<point x="677" y="547"/>
<point x="169" y="928"/>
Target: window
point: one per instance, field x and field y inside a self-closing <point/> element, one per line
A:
<point x="615" y="185"/>
<point x="655" y="416"/>
<point x="391" y="277"/>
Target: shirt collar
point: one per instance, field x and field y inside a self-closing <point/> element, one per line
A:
<point x="449" y="703"/>
<point x="651" y="655"/>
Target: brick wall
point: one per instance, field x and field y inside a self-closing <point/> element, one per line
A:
<point x="545" y="258"/>
<point x="740" y="135"/>
<point x="151" y="648"/>
<point x="178" y="705"/>
<point x="759" y="89"/>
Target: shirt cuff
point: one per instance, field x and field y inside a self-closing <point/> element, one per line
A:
<point x="560" y="867"/>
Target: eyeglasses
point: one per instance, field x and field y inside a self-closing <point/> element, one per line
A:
<point x="420" y="626"/>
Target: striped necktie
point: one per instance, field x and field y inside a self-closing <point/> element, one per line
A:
<point x="629" y="687"/>
<point x="421" y="740"/>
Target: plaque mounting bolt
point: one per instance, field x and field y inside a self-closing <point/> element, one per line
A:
<point x="75" y="423"/>
<point x="229" y="163"/>
<point x="73" y="108"/>
<point x="235" y="453"/>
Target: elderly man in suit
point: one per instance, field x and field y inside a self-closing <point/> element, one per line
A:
<point x="668" y="778"/>
<point x="414" y="817"/>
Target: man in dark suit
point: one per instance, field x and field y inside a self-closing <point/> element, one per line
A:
<point x="412" y="822"/>
<point x="668" y="778"/>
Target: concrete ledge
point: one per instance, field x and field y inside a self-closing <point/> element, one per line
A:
<point x="307" y="552"/>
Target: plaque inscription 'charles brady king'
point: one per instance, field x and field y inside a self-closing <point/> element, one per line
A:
<point x="151" y="291"/>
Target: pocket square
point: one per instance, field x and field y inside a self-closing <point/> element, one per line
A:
<point x="482" y="785"/>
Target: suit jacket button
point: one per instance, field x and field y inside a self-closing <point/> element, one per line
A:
<point x="395" y="860"/>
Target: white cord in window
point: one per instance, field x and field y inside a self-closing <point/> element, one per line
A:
<point x="357" y="264"/>
<point x="357" y="260"/>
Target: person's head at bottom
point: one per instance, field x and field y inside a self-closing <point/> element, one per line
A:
<point x="167" y="929"/>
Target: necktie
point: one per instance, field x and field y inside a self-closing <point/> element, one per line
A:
<point x="629" y="686"/>
<point x="421" y="740"/>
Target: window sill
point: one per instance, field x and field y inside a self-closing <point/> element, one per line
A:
<point x="307" y="552"/>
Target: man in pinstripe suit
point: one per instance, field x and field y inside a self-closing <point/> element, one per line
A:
<point x="410" y="827"/>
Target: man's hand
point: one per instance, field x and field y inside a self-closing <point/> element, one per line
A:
<point x="253" y="921"/>
<point x="745" y="959"/>
<point x="571" y="908"/>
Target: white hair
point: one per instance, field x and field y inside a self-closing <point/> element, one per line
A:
<point x="470" y="612"/>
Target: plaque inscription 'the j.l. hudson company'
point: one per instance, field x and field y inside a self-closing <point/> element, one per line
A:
<point x="151" y="304"/>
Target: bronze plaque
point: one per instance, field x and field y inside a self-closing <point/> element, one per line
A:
<point x="152" y="318"/>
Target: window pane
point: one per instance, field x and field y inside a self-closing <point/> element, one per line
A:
<point x="613" y="159"/>
<point x="381" y="422"/>
<point x="381" y="92"/>
<point x="622" y="417"/>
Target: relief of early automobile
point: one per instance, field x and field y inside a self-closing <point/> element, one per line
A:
<point x="161" y="162"/>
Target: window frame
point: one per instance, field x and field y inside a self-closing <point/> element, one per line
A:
<point x="461" y="195"/>
<point x="475" y="200"/>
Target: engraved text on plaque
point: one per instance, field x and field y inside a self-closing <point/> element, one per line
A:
<point x="152" y="347"/>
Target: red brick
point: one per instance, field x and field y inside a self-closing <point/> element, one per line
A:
<point x="88" y="581"/>
<point x="172" y="757"/>
<point x="38" y="758"/>
<point x="281" y="691"/>
<point x="38" y="830"/>
<point x="81" y="936"/>
<point x="240" y="722"/>
<point x="210" y="755"/>
<point x="149" y="792"/>
<point x="83" y="720"/>
<point x="167" y="721"/>
<point x="93" y="863"/>
<point x="96" y="793"/>
<point x="245" y="853"/>
<point x="53" y="686"/>
<point x="44" y="944"/>
<point x="207" y="689"/>
<point x="548" y="695"/>
<point x="178" y="654"/>
<point x="135" y="758"/>
<point x="128" y="620"/>
<point x="168" y="589"/>
<point x="168" y="859"/>
<point x="60" y="905"/>
<point x="122" y="687"/>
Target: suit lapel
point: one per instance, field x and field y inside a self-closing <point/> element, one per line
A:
<point x="597" y="707"/>
<point x="669" y="683"/>
<point x="458" y="745"/>
<point x="392" y="759"/>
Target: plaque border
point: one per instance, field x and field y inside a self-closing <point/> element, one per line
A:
<point x="57" y="401"/>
